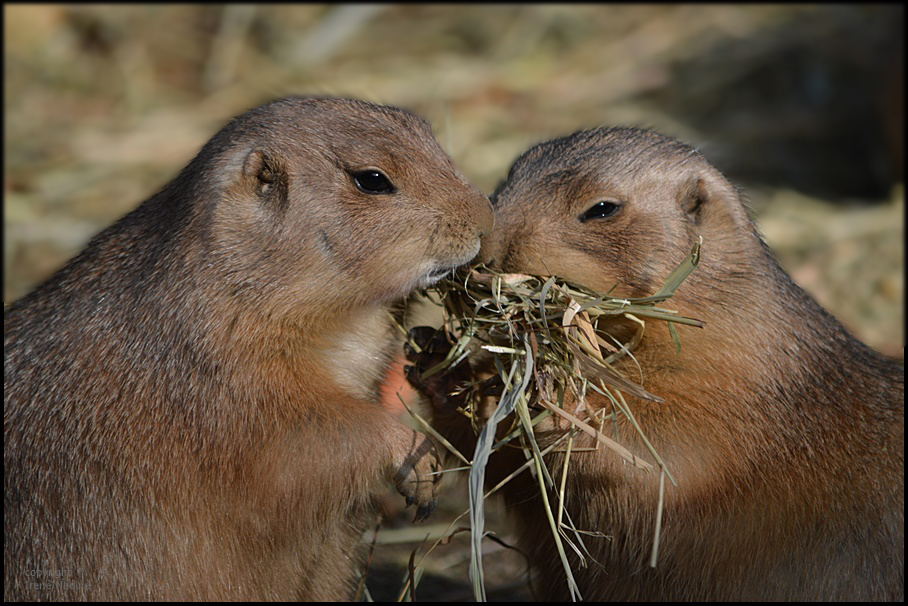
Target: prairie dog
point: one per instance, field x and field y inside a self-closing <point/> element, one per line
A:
<point x="785" y="433"/>
<point x="191" y="404"/>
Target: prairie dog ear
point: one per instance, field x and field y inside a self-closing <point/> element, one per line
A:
<point x="709" y="196"/>
<point x="269" y="178"/>
<point x="691" y="200"/>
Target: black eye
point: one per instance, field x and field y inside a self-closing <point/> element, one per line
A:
<point x="600" y="210"/>
<point x="372" y="182"/>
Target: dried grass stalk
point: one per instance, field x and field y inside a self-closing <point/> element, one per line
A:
<point x="547" y="337"/>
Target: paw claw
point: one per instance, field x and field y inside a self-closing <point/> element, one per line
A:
<point x="424" y="511"/>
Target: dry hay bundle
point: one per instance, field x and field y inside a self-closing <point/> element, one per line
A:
<point x="547" y="338"/>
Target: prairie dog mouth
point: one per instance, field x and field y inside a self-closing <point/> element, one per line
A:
<point x="434" y="275"/>
<point x="440" y="269"/>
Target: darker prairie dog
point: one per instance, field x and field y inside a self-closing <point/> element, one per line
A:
<point x="785" y="433"/>
<point x="190" y="404"/>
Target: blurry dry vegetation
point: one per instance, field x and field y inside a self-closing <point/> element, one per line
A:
<point x="802" y="106"/>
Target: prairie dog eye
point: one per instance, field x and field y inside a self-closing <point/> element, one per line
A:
<point x="372" y="181"/>
<point x="600" y="210"/>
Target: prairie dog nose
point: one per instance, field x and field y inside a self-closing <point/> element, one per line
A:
<point x="490" y="248"/>
<point x="485" y="218"/>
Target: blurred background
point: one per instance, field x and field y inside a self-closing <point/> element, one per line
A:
<point x="803" y="106"/>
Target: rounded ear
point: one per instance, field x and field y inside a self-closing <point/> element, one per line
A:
<point x="269" y="178"/>
<point x="709" y="196"/>
<point x="691" y="198"/>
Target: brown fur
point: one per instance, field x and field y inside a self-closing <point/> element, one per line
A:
<point x="785" y="433"/>
<point x="191" y="405"/>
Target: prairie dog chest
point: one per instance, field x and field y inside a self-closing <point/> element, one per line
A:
<point x="358" y="355"/>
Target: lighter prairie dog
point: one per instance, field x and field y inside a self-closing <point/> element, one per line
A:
<point x="190" y="404"/>
<point x="785" y="433"/>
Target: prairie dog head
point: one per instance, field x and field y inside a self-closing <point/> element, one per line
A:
<point x="313" y="203"/>
<point x="614" y="206"/>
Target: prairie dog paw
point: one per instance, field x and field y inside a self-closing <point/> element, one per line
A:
<point x="417" y="476"/>
<point x="438" y="387"/>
